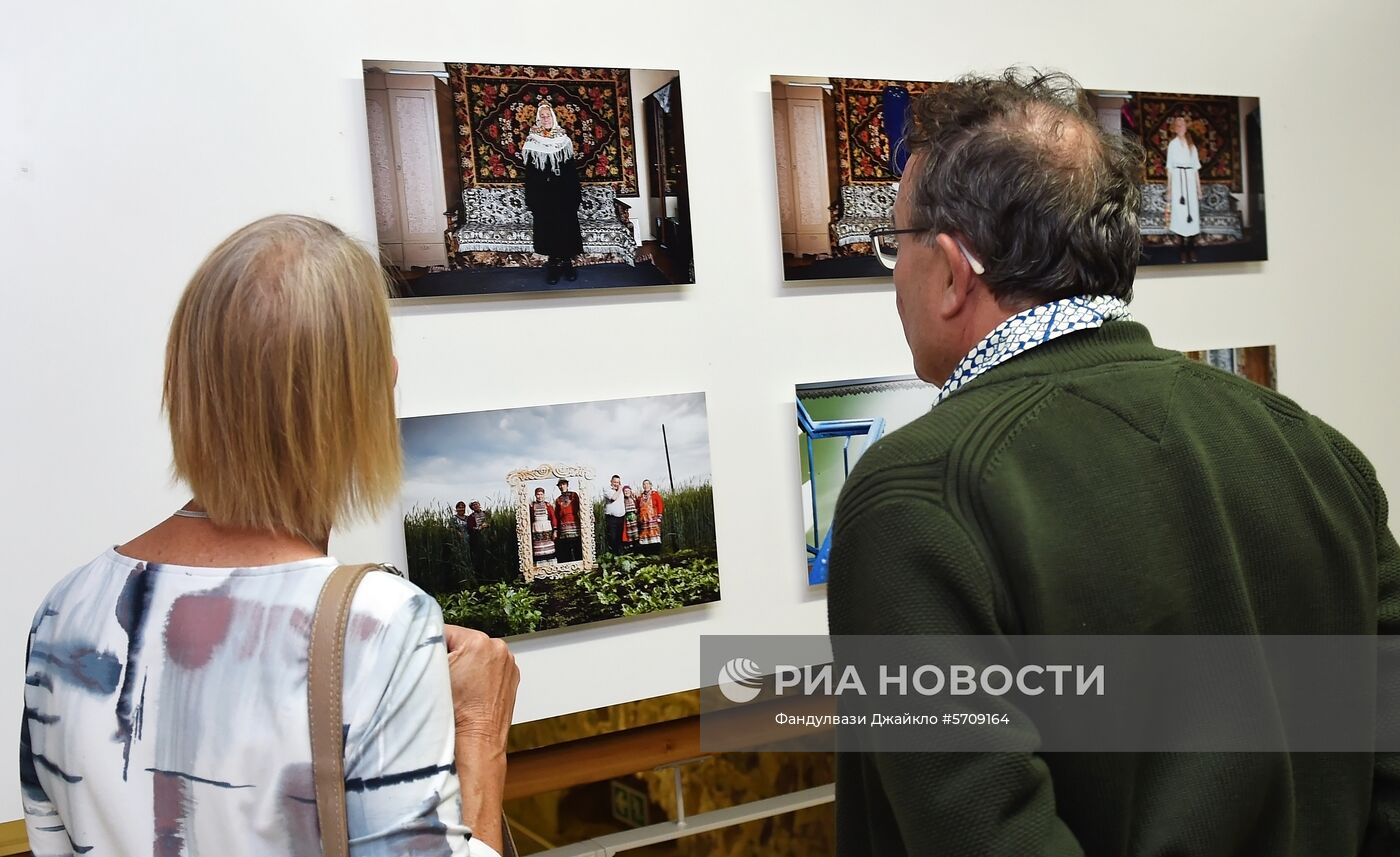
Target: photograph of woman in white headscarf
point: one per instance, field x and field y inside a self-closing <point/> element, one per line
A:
<point x="495" y="178"/>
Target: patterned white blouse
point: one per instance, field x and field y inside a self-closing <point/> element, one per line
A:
<point x="165" y="714"/>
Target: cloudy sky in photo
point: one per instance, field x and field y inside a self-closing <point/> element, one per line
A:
<point x="467" y="456"/>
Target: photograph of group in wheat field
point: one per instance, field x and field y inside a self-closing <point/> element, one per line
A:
<point x="529" y="519"/>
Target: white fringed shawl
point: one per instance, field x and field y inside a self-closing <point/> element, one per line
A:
<point x="547" y="149"/>
<point x="547" y="153"/>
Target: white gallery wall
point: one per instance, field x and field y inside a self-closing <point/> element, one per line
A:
<point x="135" y="135"/>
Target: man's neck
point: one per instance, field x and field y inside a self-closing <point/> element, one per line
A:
<point x="986" y="316"/>
<point x="989" y="314"/>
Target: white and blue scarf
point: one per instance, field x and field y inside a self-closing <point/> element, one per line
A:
<point x="1030" y="328"/>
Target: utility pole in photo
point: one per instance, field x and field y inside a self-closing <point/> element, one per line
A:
<point x="666" y="446"/>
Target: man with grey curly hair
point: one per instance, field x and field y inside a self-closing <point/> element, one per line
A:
<point x="1073" y="478"/>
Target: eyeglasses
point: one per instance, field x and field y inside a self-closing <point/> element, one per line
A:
<point x="884" y="242"/>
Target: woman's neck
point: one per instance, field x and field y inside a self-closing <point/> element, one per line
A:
<point x="201" y="542"/>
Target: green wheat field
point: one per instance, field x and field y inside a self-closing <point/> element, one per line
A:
<point x="496" y="599"/>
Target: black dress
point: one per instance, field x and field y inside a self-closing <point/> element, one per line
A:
<point x="553" y="200"/>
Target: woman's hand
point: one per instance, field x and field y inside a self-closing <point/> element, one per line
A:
<point x="484" y="681"/>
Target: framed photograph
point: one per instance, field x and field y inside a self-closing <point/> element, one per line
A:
<point x="837" y="421"/>
<point x="1203" y="184"/>
<point x="492" y="179"/>
<point x="832" y="139"/>
<point x="838" y="157"/>
<point x="529" y="519"/>
<point x="1255" y="362"/>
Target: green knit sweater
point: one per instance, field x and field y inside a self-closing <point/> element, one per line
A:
<point x="1097" y="484"/>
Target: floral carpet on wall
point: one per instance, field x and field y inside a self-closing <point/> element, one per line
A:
<point x="1213" y="119"/>
<point x="862" y="149"/>
<point x="495" y="107"/>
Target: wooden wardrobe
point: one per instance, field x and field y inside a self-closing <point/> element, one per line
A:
<point x="413" y="163"/>
<point x="806" y="158"/>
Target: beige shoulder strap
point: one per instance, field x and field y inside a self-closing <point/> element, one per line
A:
<point x="324" y="670"/>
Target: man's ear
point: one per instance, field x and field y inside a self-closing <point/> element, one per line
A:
<point x="961" y="278"/>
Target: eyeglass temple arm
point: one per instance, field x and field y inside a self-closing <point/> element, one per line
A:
<point x="977" y="267"/>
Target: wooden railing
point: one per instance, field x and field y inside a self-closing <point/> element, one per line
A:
<point x="615" y="754"/>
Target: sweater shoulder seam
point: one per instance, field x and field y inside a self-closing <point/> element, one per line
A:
<point x="1155" y="438"/>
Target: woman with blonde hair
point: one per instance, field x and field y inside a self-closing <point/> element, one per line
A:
<point x="166" y="689"/>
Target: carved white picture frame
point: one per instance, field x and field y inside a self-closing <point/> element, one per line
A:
<point x="519" y="481"/>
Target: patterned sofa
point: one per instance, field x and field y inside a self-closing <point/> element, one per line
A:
<point x="859" y="209"/>
<point x="1220" y="217"/>
<point x="494" y="229"/>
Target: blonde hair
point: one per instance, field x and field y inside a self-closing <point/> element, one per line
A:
<point x="279" y="380"/>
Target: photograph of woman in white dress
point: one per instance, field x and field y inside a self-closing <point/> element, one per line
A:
<point x="1203" y="177"/>
<point x="1184" y="187"/>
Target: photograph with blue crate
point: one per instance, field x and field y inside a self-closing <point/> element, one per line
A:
<point x="837" y="421"/>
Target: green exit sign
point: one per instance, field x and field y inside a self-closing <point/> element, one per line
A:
<point x="629" y="805"/>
